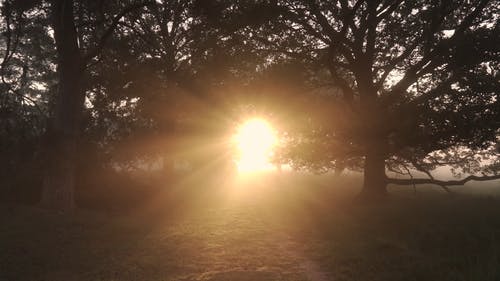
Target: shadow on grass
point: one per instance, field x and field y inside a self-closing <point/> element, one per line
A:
<point x="269" y="228"/>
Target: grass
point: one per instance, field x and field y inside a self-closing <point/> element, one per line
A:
<point x="272" y="229"/>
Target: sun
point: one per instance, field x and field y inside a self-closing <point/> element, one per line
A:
<point x="255" y="140"/>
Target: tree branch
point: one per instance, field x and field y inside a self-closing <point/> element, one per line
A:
<point x="109" y="31"/>
<point x="348" y="92"/>
<point x="433" y="58"/>
<point x="441" y="182"/>
<point x="300" y="19"/>
<point x="335" y="37"/>
<point x="423" y="170"/>
<point x="394" y="62"/>
<point x="348" y="18"/>
<point x="371" y="34"/>
<point x="387" y="9"/>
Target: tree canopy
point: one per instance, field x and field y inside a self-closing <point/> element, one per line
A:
<point x="412" y="93"/>
<point x="386" y="85"/>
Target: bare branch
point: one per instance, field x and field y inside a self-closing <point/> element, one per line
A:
<point x="441" y="182"/>
<point x="421" y="169"/>
<point x="408" y="172"/>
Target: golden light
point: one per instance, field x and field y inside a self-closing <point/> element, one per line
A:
<point x="255" y="141"/>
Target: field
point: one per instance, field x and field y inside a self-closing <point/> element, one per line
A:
<point x="266" y="228"/>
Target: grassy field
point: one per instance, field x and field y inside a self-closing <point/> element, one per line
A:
<point x="267" y="229"/>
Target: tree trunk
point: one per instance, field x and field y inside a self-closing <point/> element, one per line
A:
<point x="374" y="179"/>
<point x="58" y="184"/>
<point x="373" y="116"/>
<point x="63" y="130"/>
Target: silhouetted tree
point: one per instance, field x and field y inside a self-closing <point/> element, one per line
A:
<point x="26" y="83"/>
<point x="73" y="58"/>
<point x="169" y="70"/>
<point x="403" y="85"/>
<point x="368" y="85"/>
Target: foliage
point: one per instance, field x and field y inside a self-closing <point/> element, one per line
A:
<point x="342" y="80"/>
<point x="409" y="88"/>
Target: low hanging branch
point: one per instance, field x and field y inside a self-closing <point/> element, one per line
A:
<point x="422" y="169"/>
<point x="441" y="182"/>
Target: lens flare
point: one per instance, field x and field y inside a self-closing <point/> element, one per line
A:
<point x="255" y="141"/>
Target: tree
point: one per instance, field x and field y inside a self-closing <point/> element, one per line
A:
<point x="73" y="59"/>
<point x="186" y="66"/>
<point x="164" y="64"/>
<point x="384" y="84"/>
<point x="412" y="95"/>
<point x="172" y="61"/>
<point x="26" y="84"/>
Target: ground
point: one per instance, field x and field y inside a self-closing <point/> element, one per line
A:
<point x="259" y="231"/>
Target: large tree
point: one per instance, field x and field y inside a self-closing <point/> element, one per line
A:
<point x="77" y="49"/>
<point x="168" y="61"/>
<point x="395" y="84"/>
